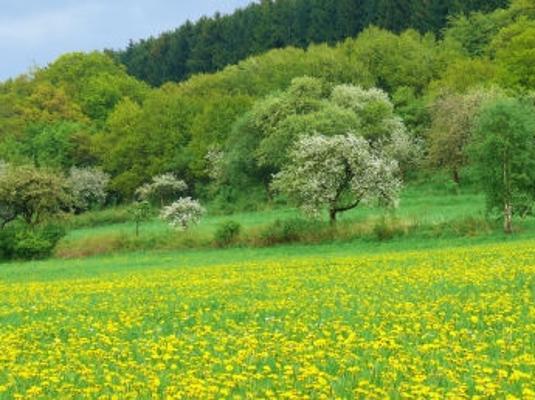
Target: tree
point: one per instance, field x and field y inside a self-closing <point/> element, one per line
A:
<point x="87" y="187"/>
<point x="163" y="189"/>
<point x="140" y="212"/>
<point x="183" y="213"/>
<point x="213" y="43"/>
<point x="337" y="173"/>
<point x="454" y="117"/>
<point x="504" y="154"/>
<point x="31" y="194"/>
<point x="514" y="54"/>
<point x="308" y="107"/>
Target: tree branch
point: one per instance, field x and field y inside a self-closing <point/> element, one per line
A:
<point x="347" y="208"/>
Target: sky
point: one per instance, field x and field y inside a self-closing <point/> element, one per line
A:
<point x="35" y="32"/>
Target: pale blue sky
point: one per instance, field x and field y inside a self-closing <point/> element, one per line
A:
<point x="35" y="32"/>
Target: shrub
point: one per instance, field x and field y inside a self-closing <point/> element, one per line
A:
<point x="183" y="213"/>
<point x="162" y="190"/>
<point x="87" y="187"/>
<point x="7" y="243"/>
<point x="53" y="233"/>
<point x="465" y="226"/>
<point x="227" y="233"/>
<point x="32" y="195"/>
<point x="30" y="244"/>
<point x="140" y="211"/>
<point x="387" y="229"/>
<point x="286" y="231"/>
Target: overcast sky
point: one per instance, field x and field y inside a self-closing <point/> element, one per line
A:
<point x="35" y="32"/>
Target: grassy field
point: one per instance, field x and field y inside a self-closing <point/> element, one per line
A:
<point x="428" y="206"/>
<point x="446" y="311"/>
<point x="330" y="321"/>
<point x="424" y="209"/>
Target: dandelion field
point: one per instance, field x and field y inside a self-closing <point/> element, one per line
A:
<point x="456" y="323"/>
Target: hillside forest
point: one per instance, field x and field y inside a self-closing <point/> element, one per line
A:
<point x="234" y="106"/>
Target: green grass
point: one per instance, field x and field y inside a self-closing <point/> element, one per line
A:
<point x="141" y="260"/>
<point x="343" y="318"/>
<point x="329" y="321"/>
<point x="425" y="205"/>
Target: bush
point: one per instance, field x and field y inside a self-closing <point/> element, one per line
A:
<point x="387" y="229"/>
<point x="31" y="244"/>
<point x="87" y="187"/>
<point x="469" y="226"/>
<point x="7" y="243"/>
<point x="53" y="233"/>
<point x="183" y="213"/>
<point x="286" y="231"/>
<point x="227" y="233"/>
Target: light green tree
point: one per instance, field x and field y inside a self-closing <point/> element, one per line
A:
<point x="504" y="154"/>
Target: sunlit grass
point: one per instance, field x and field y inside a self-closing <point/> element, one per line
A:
<point x="450" y="323"/>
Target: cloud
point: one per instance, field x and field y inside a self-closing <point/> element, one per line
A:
<point x="36" y="31"/>
<point x="49" y="25"/>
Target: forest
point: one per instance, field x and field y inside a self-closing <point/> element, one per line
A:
<point x="211" y="44"/>
<point x="419" y="96"/>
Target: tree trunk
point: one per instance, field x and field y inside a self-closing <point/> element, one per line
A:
<point x="508" y="218"/>
<point x="507" y="206"/>
<point x="456" y="177"/>
<point x="332" y="216"/>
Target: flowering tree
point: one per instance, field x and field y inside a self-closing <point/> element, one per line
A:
<point x="31" y="195"/>
<point x="163" y="189"/>
<point x="337" y="173"/>
<point x="183" y="213"/>
<point x="87" y="187"/>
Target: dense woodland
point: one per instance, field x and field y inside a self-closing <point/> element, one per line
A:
<point x="228" y="134"/>
<point x="213" y="43"/>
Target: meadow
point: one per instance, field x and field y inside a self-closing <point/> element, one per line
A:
<point x="326" y="322"/>
<point x="427" y="212"/>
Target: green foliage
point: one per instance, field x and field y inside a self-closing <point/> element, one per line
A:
<point x="394" y="61"/>
<point x="261" y="141"/>
<point x="97" y="218"/>
<point x="213" y="43"/>
<point x="469" y="226"/>
<point x="513" y="48"/>
<point x="26" y="243"/>
<point x="32" y="195"/>
<point x="287" y="231"/>
<point x="227" y="233"/>
<point x="386" y="228"/>
<point x="454" y="118"/>
<point x="85" y="110"/>
<point x="95" y="81"/>
<point x="504" y="155"/>
<point x="7" y="242"/>
<point x="140" y="212"/>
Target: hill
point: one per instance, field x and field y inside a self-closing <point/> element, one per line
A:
<point x="211" y="44"/>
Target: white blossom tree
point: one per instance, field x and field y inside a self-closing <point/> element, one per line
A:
<point x="183" y="213"/>
<point x="337" y="174"/>
<point x="87" y="187"/>
<point x="163" y="189"/>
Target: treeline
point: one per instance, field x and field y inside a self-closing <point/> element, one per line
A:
<point x="85" y="110"/>
<point x="211" y="44"/>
